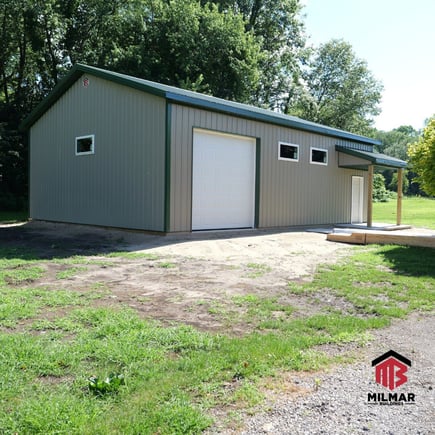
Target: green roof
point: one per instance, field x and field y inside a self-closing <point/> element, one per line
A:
<point x="374" y="158"/>
<point x="181" y="96"/>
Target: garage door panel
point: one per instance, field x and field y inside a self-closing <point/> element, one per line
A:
<point x="223" y="181"/>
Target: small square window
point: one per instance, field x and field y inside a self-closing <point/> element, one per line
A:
<point x="288" y="151"/>
<point x="85" y="145"/>
<point x="319" y="156"/>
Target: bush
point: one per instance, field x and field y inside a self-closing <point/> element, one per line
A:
<point x="380" y="193"/>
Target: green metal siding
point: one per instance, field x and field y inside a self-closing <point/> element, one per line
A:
<point x="123" y="183"/>
<point x="289" y="193"/>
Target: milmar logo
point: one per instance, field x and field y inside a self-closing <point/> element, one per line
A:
<point x="390" y="369"/>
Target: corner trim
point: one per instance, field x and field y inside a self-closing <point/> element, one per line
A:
<point x="257" y="182"/>
<point x="167" y="205"/>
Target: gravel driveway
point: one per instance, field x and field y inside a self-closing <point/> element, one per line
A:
<point x="336" y="402"/>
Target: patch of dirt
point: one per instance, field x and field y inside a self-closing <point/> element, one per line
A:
<point x="190" y="278"/>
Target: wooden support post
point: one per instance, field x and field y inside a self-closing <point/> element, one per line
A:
<point x="399" y="196"/>
<point x="370" y="197"/>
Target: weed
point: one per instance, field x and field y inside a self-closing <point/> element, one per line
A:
<point x="217" y="308"/>
<point x="109" y="385"/>
<point x="29" y="302"/>
<point x="133" y="255"/>
<point x="262" y="309"/>
<point x="142" y="298"/>
<point x="166" y="265"/>
<point x="296" y="288"/>
<point x="100" y="287"/>
<point x="20" y="274"/>
<point x="258" y="270"/>
<point x="70" y="272"/>
<point x="83" y="260"/>
<point x="247" y="395"/>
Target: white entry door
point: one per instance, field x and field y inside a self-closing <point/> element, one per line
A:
<point x="357" y="200"/>
<point x="223" y="181"/>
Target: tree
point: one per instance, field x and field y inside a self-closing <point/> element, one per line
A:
<point x="17" y="59"/>
<point x="341" y="92"/>
<point x="395" y="143"/>
<point x="392" y="185"/>
<point x="18" y="93"/>
<point x="279" y="29"/>
<point x="13" y="170"/>
<point x="91" y="28"/>
<point x="422" y="156"/>
<point x="196" y="47"/>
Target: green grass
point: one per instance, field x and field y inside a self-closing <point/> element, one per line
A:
<point x="12" y="217"/>
<point x="166" y="265"/>
<point x="416" y="211"/>
<point x="172" y="375"/>
<point x="257" y="270"/>
<point x="258" y="310"/>
<point x="53" y="341"/>
<point x="382" y="281"/>
<point x="21" y="274"/>
<point x="132" y="255"/>
<point x="70" y="272"/>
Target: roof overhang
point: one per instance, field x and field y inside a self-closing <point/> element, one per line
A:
<point x="190" y="98"/>
<point x="365" y="158"/>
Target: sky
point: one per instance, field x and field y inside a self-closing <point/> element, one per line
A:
<point x="397" y="40"/>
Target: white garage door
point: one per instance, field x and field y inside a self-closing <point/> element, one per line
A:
<point x="223" y="181"/>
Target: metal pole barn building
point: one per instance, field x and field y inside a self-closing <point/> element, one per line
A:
<point x="113" y="150"/>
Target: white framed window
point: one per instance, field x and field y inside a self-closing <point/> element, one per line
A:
<point x="318" y="156"/>
<point x="85" y="145"/>
<point x="288" y="151"/>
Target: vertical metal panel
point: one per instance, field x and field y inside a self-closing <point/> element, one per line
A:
<point x="290" y="193"/>
<point x="123" y="183"/>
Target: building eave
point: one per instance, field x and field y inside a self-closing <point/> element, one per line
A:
<point x="190" y="98"/>
<point x="376" y="159"/>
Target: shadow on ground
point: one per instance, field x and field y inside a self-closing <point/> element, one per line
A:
<point x="27" y="242"/>
<point x="45" y="240"/>
<point x="411" y="260"/>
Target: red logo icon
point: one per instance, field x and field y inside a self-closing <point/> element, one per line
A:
<point x="85" y="82"/>
<point x="390" y="369"/>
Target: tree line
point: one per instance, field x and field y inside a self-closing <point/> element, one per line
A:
<point x="250" y="51"/>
